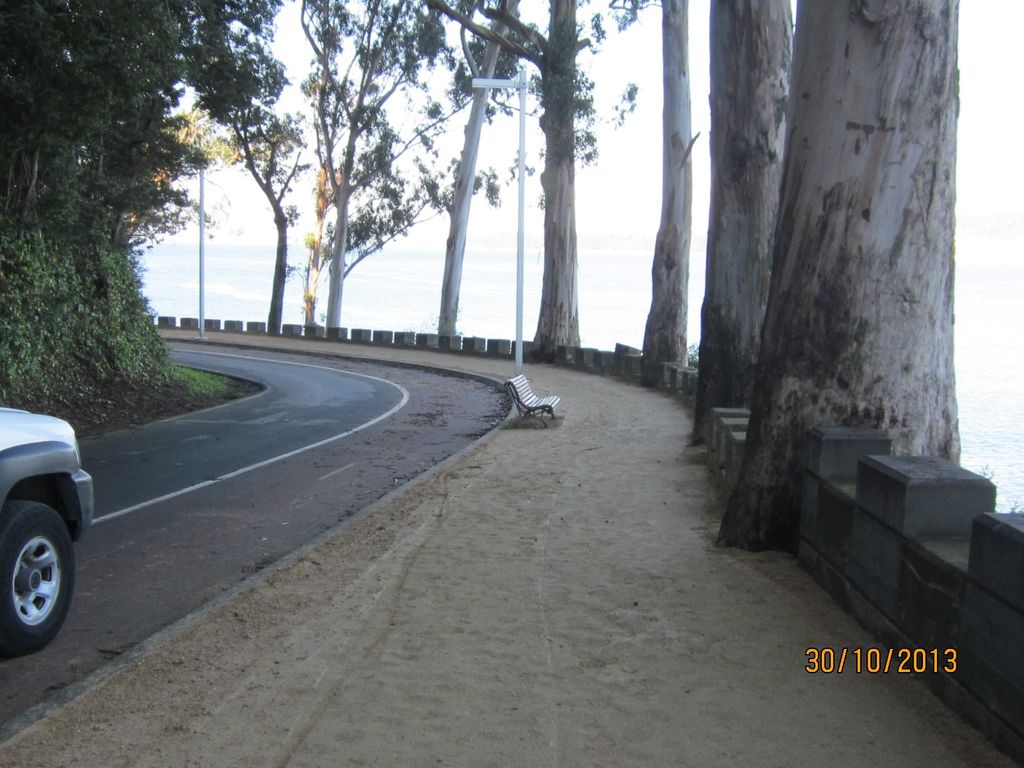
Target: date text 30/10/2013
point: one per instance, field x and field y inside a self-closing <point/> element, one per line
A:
<point x="880" y="660"/>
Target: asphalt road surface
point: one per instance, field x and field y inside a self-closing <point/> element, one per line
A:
<point x="188" y="507"/>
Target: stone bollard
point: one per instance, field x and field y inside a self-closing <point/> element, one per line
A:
<point x="992" y="631"/>
<point x="585" y="358"/>
<point x="908" y="497"/>
<point x="714" y="439"/>
<point x="474" y="345"/>
<point x="190" y="323"/>
<point x="449" y="343"/>
<point x="362" y="335"/>
<point x="233" y="326"/>
<point x="291" y="330"/>
<point x="337" y="334"/>
<point x="166" y="322"/>
<point x="427" y="340"/>
<point x="254" y="327"/>
<point x="384" y="338"/>
<point x="827" y="494"/>
<point x="499" y="348"/>
<point x="314" y="332"/>
<point x="405" y="339"/>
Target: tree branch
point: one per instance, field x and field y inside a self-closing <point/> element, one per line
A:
<point x="502" y="16"/>
<point x="516" y="49"/>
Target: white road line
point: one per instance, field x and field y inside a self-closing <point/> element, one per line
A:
<point x="174" y="494"/>
<point x="334" y="472"/>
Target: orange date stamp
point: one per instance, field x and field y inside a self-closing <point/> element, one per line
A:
<point x="906" y="661"/>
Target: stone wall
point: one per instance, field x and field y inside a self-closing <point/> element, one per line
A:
<point x="910" y="546"/>
<point x="623" y="362"/>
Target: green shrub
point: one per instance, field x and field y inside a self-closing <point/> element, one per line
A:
<point x="72" y="323"/>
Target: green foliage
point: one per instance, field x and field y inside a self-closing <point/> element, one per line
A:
<point x="203" y="383"/>
<point x="71" y="325"/>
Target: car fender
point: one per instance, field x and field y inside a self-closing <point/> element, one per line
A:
<point x="60" y="462"/>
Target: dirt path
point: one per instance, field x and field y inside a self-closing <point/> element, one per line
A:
<point x="552" y="598"/>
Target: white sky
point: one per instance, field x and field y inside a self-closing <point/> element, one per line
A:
<point x="621" y="195"/>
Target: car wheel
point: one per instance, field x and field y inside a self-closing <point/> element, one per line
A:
<point x="37" y="576"/>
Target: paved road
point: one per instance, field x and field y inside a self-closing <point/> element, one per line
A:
<point x="188" y="507"/>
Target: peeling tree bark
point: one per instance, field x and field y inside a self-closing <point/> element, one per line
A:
<point x="665" y="333"/>
<point x="859" y="325"/>
<point x="558" y="322"/>
<point x="751" y="42"/>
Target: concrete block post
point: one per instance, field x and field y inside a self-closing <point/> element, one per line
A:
<point x="688" y="382"/>
<point x="604" y="361"/>
<point x="405" y="339"/>
<point x="362" y="335"/>
<point x="499" y="348"/>
<point x="189" y="323"/>
<point x="314" y="332"/>
<point x="255" y="327"/>
<point x="923" y="497"/>
<point x="585" y="358"/>
<point x="831" y="454"/>
<point x="337" y="334"/>
<point x="900" y="498"/>
<point x="990" y="661"/>
<point x="427" y="340"/>
<point x="384" y="338"/>
<point x="166" y="322"/>
<point x="233" y="326"/>
<point x="291" y="330"/>
<point x="474" y="345"/>
<point x="715" y="440"/>
<point x="996" y="560"/>
<point x="449" y="343"/>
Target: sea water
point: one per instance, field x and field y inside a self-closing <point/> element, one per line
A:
<point x="399" y="290"/>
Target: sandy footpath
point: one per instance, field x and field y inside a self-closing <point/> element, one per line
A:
<point x="553" y="598"/>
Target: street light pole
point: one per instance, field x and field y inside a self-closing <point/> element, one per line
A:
<point x="202" y="254"/>
<point x="520" y="85"/>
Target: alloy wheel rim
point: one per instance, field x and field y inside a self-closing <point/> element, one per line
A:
<point x="35" y="584"/>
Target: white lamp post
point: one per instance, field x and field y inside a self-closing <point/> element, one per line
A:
<point x="202" y="254"/>
<point x="520" y="84"/>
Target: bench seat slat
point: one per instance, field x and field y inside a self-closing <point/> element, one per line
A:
<point x="528" y="403"/>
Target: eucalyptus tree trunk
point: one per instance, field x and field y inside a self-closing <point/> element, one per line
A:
<point x="280" y="271"/>
<point x="558" y="322"/>
<point x="751" y="43"/>
<point x="665" y="334"/>
<point x="859" y="325"/>
<point x="341" y="191"/>
<point x="465" y="183"/>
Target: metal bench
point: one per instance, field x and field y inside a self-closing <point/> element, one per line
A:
<point x="528" y="404"/>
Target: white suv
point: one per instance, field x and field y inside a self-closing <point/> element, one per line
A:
<point x="46" y="502"/>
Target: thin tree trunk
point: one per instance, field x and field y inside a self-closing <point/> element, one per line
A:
<point x="336" y="270"/>
<point x="315" y="257"/>
<point x="280" y="272"/>
<point x="859" y="325"/>
<point x="665" y="334"/>
<point x="558" y="322"/>
<point x="465" y="182"/>
<point x="751" y="43"/>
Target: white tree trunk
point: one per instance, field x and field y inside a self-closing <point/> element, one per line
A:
<point x="455" y="247"/>
<point x="859" y="325"/>
<point x="751" y="43"/>
<point x="665" y="334"/>
<point x="336" y="271"/>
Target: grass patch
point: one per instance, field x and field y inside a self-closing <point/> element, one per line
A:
<point x="204" y="383"/>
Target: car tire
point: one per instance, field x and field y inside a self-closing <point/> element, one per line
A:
<point x="37" y="576"/>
